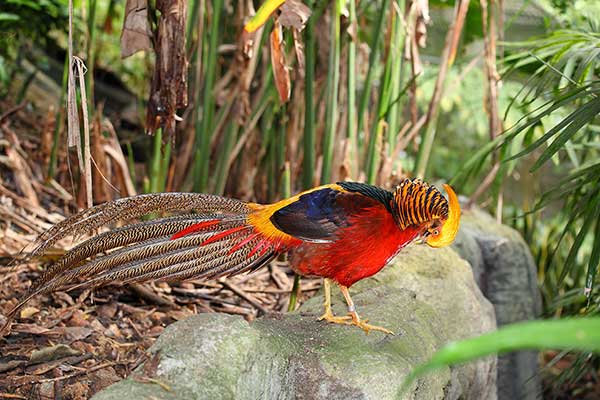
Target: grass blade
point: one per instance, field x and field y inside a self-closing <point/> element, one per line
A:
<point x="581" y="334"/>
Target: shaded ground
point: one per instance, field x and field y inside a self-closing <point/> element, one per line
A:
<point x="108" y="331"/>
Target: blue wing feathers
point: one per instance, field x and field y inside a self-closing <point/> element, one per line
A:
<point x="316" y="216"/>
<point x="319" y="215"/>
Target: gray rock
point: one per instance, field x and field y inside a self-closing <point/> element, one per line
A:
<point x="507" y="275"/>
<point x="428" y="298"/>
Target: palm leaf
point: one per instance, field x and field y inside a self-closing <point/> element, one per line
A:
<point x="581" y="334"/>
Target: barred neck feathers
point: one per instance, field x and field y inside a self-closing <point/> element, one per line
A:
<point x="374" y="192"/>
<point x="415" y="203"/>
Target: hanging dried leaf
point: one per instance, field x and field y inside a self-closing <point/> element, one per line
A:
<point x="423" y="19"/>
<point x="83" y="153"/>
<point x="101" y="171"/>
<point x="294" y="14"/>
<point x="136" y="34"/>
<point x="168" y="92"/>
<point x="299" y="49"/>
<point x="280" y="70"/>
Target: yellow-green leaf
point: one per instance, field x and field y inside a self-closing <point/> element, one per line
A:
<point x="263" y="13"/>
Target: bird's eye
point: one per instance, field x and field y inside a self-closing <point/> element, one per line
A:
<point x="435" y="232"/>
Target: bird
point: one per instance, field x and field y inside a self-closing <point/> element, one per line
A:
<point x="343" y="232"/>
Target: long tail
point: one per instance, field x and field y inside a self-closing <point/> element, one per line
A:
<point x="217" y="241"/>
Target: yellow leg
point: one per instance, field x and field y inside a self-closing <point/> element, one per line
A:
<point x="356" y="319"/>
<point x="328" y="314"/>
<point x="352" y="318"/>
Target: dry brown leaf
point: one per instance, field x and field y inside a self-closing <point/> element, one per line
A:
<point x="299" y="49"/>
<point x="294" y="14"/>
<point x="168" y="91"/>
<point x="28" y="312"/>
<point x="281" y="73"/>
<point x="32" y="329"/>
<point x="74" y="333"/>
<point x="52" y="353"/>
<point x="101" y="172"/>
<point x="136" y="32"/>
<point x="47" y="136"/>
<point x="113" y="150"/>
<point x="22" y="175"/>
<point x="76" y="391"/>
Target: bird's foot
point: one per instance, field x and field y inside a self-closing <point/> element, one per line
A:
<point x="352" y="319"/>
<point x="362" y="324"/>
<point x="329" y="317"/>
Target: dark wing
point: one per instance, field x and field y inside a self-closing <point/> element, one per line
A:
<point x="317" y="216"/>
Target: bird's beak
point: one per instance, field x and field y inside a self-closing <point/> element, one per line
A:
<point x="450" y="227"/>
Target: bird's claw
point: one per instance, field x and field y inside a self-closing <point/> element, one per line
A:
<point x="353" y="319"/>
<point x="329" y="317"/>
<point x="362" y="324"/>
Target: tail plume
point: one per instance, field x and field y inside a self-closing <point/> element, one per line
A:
<point x="217" y="241"/>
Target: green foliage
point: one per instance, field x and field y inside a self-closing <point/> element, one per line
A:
<point x="581" y="334"/>
<point x="566" y="74"/>
<point x="23" y="22"/>
<point x="32" y="19"/>
<point x="557" y="143"/>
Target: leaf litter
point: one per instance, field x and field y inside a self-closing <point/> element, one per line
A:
<point x="72" y="344"/>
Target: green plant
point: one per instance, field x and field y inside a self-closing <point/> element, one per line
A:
<point x="582" y="334"/>
<point x="556" y="138"/>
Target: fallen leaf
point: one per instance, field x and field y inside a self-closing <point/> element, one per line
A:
<point x="10" y="365"/>
<point x="104" y="378"/>
<point x="281" y="73"/>
<point x="151" y="366"/>
<point x="136" y="32"/>
<point x="46" y="390"/>
<point x="76" y="391"/>
<point x="52" y="353"/>
<point x="32" y="329"/>
<point x="74" y="333"/>
<point x="28" y="312"/>
<point x="107" y="311"/>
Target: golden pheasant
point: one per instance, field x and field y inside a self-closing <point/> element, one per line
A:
<point x="343" y="232"/>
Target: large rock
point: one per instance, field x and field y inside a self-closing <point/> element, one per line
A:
<point x="506" y="273"/>
<point x="428" y="297"/>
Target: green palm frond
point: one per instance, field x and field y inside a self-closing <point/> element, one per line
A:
<point x="561" y="97"/>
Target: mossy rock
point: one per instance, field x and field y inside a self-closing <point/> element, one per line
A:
<point x="427" y="297"/>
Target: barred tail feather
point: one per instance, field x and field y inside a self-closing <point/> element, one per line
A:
<point x="130" y="208"/>
<point x="206" y="245"/>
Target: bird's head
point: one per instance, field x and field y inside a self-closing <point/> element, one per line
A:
<point x="442" y="231"/>
<point x="418" y="204"/>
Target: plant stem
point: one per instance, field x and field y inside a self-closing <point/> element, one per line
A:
<point x="394" y="105"/>
<point x="309" y="112"/>
<point x="448" y="55"/>
<point x="59" y="120"/>
<point x="223" y="166"/>
<point x="351" y="133"/>
<point x="375" y="44"/>
<point x="203" y="131"/>
<point x="333" y="81"/>
<point x="286" y="188"/>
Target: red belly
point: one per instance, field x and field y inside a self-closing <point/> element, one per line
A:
<point x="360" y="251"/>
